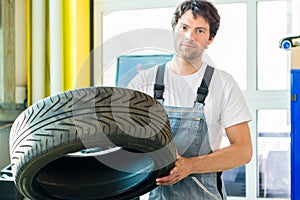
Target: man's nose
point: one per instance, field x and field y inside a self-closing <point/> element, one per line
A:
<point x="189" y="35"/>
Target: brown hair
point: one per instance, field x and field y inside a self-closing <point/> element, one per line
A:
<point x="199" y="7"/>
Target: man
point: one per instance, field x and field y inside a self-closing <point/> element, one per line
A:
<point x="219" y="103"/>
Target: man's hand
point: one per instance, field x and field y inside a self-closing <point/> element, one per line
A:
<point x="180" y="171"/>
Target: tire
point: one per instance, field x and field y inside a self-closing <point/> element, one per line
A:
<point x="91" y="143"/>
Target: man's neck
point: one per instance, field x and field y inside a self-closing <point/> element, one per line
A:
<point x="183" y="67"/>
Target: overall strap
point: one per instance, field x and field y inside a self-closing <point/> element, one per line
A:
<point x="202" y="91"/>
<point x="159" y="87"/>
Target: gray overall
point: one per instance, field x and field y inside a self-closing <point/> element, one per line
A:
<point x="191" y="139"/>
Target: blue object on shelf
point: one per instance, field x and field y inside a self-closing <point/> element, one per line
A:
<point x="295" y="134"/>
<point x="287" y="45"/>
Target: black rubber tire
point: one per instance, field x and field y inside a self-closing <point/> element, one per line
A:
<point x="57" y="145"/>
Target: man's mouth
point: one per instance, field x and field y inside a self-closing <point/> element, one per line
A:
<point x="187" y="45"/>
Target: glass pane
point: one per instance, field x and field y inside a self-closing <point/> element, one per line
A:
<point x="274" y="153"/>
<point x="117" y="22"/>
<point x="120" y="24"/>
<point x="229" y="49"/>
<point x="275" y="20"/>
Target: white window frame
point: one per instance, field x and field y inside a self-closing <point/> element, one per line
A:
<point x="257" y="100"/>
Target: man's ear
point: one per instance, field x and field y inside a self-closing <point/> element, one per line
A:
<point x="210" y="40"/>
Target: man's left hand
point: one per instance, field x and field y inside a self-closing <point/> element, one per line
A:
<point x="180" y="171"/>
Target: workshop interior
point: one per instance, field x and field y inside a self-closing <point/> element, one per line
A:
<point x="55" y="54"/>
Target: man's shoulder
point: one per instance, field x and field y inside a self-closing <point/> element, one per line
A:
<point x="222" y="75"/>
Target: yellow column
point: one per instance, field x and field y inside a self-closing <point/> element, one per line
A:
<point x="28" y="21"/>
<point x="69" y="38"/>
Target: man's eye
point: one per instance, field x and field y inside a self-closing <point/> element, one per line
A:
<point x="183" y="28"/>
<point x="200" y="31"/>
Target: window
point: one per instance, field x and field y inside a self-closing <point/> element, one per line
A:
<point x="126" y="27"/>
<point x="272" y="63"/>
<point x="274" y="153"/>
<point x="229" y="49"/>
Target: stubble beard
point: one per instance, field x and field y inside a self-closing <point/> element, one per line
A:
<point x="190" y="55"/>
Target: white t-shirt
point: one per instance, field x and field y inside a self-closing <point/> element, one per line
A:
<point x="224" y="106"/>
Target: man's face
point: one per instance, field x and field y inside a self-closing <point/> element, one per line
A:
<point x="191" y="36"/>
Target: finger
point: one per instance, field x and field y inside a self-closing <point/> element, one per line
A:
<point x="170" y="182"/>
<point x="163" y="181"/>
<point x="167" y="180"/>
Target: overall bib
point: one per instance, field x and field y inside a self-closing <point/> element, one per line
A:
<point x="191" y="139"/>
